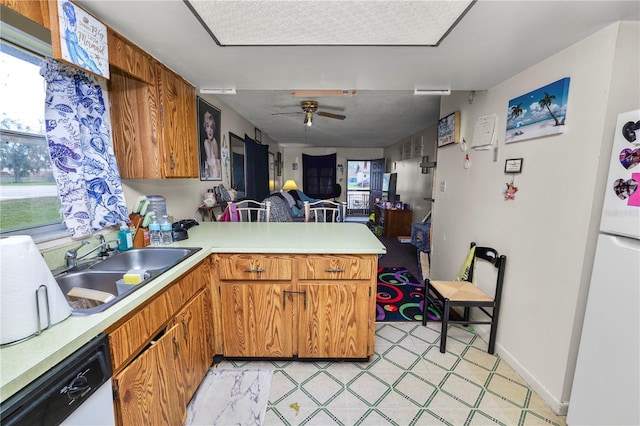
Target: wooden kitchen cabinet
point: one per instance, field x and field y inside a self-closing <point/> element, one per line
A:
<point x="153" y="116"/>
<point x="36" y="10"/>
<point x="255" y="321"/>
<point x="148" y="390"/>
<point x="161" y="353"/>
<point x="320" y="306"/>
<point x="338" y="307"/>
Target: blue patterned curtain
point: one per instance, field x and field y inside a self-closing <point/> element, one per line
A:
<point x="81" y="150"/>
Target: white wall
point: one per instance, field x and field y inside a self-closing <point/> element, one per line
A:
<point x="414" y="187"/>
<point x="548" y="232"/>
<point x="185" y="195"/>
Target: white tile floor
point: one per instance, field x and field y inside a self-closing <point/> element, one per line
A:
<point x="407" y="382"/>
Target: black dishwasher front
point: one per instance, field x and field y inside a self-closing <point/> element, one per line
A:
<point x="54" y="396"/>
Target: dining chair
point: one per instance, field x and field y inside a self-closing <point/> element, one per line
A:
<point x="325" y="211"/>
<point x="445" y="295"/>
<point x="253" y="211"/>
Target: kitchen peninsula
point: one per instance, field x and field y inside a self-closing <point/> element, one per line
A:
<point x="283" y="272"/>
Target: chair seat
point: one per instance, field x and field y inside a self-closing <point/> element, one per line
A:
<point x="461" y="291"/>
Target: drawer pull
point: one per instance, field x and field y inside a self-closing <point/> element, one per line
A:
<point x="334" y="270"/>
<point x="176" y="348"/>
<point x="185" y="329"/>
<point x="284" y="297"/>
<point x="256" y="270"/>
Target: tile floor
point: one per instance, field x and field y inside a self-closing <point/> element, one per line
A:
<point x="407" y="382"/>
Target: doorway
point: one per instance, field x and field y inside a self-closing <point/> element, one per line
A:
<point x="364" y="185"/>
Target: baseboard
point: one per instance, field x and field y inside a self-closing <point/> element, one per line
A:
<point x="558" y="407"/>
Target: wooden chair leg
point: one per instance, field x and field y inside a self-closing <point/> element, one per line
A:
<point x="445" y="326"/>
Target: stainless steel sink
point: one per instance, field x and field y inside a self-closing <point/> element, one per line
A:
<point x="106" y="275"/>
<point x="150" y="259"/>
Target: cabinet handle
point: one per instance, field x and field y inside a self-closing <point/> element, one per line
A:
<point x="256" y="270"/>
<point x="173" y="162"/>
<point x="176" y="348"/>
<point x="334" y="270"/>
<point x="185" y="329"/>
<point x="284" y="297"/>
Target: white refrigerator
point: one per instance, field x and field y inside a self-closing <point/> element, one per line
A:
<point x="606" y="385"/>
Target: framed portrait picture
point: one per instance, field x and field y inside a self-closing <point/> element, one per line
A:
<point x="449" y="129"/>
<point x="209" y="141"/>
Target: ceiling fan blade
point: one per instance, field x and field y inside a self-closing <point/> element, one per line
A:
<point x="287" y="113"/>
<point x="331" y="115"/>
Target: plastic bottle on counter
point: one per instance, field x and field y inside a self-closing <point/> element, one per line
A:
<point x="166" y="230"/>
<point x="154" y="231"/>
<point x="125" y="236"/>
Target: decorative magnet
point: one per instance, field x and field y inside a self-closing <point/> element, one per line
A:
<point x="467" y="161"/>
<point x="510" y="191"/>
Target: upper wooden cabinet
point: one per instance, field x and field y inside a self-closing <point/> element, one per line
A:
<point x="153" y="115"/>
<point x="37" y="11"/>
<point x="127" y="57"/>
<point x="178" y="125"/>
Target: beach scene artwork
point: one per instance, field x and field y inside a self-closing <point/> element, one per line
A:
<point x="539" y="113"/>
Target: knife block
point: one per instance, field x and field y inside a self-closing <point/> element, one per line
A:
<point x="141" y="237"/>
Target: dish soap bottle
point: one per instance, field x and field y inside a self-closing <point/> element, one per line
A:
<point x="166" y="230"/>
<point x="125" y="237"/>
<point x="154" y="230"/>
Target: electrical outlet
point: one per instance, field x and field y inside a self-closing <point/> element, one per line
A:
<point x="443" y="186"/>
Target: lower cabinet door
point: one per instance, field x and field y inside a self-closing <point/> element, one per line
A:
<point x="149" y="390"/>
<point x="335" y="319"/>
<point x="257" y="319"/>
<point x="196" y="350"/>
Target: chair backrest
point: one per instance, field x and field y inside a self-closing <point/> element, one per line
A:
<point x="498" y="261"/>
<point x="325" y="211"/>
<point x="253" y="211"/>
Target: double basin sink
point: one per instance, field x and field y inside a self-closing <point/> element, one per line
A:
<point x="106" y="275"/>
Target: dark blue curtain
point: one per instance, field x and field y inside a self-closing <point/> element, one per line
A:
<point x="257" y="171"/>
<point x="319" y="176"/>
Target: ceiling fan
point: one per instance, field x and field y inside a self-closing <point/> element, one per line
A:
<point x="309" y="108"/>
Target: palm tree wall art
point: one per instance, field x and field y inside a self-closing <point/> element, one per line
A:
<point x="539" y="113"/>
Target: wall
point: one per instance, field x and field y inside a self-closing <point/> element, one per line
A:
<point x="183" y="196"/>
<point x="548" y="232"/>
<point x="294" y="155"/>
<point x="414" y="187"/>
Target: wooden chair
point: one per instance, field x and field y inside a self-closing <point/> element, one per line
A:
<point x="444" y="295"/>
<point x="325" y="211"/>
<point x="253" y="211"/>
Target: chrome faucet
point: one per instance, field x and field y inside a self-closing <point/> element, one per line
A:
<point x="71" y="256"/>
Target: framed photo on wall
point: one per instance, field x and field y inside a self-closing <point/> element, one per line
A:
<point x="209" y="141"/>
<point x="449" y="129"/>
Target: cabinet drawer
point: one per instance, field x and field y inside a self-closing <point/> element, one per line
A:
<point x="335" y="268"/>
<point x="238" y="267"/>
<point x="130" y="337"/>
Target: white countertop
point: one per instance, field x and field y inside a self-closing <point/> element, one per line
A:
<point x="24" y="362"/>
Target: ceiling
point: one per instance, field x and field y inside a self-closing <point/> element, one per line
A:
<point x="491" y="42"/>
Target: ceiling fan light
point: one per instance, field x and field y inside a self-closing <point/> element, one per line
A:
<point x="308" y="117"/>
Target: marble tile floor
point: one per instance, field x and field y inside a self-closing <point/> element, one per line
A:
<point x="407" y="382"/>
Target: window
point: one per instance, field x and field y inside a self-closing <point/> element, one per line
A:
<point x="29" y="201"/>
